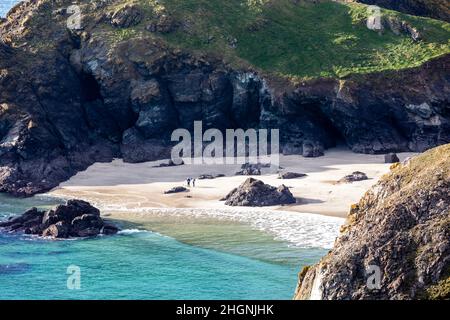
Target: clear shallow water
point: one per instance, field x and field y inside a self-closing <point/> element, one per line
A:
<point x="188" y="258"/>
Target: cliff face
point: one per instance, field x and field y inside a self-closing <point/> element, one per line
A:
<point x="438" y="9"/>
<point x="69" y="98"/>
<point x="401" y="227"/>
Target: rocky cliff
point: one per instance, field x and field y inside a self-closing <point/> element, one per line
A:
<point x="396" y="242"/>
<point x="438" y="9"/>
<point x="117" y="86"/>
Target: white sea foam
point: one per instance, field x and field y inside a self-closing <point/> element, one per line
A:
<point x="300" y="229"/>
<point x="132" y="231"/>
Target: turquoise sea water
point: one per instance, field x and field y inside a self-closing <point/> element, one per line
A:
<point x="200" y="259"/>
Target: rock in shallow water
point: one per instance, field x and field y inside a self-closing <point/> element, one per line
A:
<point x="254" y="193"/>
<point x="76" y="218"/>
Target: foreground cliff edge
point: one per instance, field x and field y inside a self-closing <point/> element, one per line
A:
<point x="401" y="227"/>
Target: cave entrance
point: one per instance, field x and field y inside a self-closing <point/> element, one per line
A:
<point x="90" y="88"/>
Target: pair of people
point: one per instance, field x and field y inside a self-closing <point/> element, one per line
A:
<point x="189" y="181"/>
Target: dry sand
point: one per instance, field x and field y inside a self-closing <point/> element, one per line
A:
<point x="135" y="186"/>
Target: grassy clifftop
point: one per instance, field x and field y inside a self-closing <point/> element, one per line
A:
<point x="292" y="38"/>
<point x="298" y="38"/>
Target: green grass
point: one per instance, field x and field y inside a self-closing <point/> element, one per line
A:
<point x="302" y="40"/>
<point x="296" y="41"/>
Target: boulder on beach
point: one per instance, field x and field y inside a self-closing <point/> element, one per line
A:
<point x="176" y="190"/>
<point x="254" y="193"/>
<point x="76" y="218"/>
<point x="169" y="164"/>
<point x="391" y="158"/>
<point x="290" y="175"/>
<point x="210" y="176"/>
<point x="355" y="176"/>
<point x="249" y="169"/>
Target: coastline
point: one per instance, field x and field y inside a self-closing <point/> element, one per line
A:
<point x="140" y="187"/>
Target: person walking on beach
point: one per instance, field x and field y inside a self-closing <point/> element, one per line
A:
<point x="188" y="180"/>
<point x="193" y="182"/>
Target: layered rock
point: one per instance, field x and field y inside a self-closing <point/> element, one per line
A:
<point x="254" y="193"/>
<point x="396" y="242"/>
<point x="74" y="219"/>
<point x="81" y="98"/>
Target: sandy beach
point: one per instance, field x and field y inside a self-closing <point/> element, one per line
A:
<point x="137" y="186"/>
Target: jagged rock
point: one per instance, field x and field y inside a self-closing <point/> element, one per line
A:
<point x="76" y="218"/>
<point x="86" y="225"/>
<point x="249" y="169"/>
<point x="254" y="193"/>
<point x="164" y="24"/>
<point x="312" y="150"/>
<point x="355" y="176"/>
<point x="396" y="241"/>
<point x="176" y="190"/>
<point x="58" y="230"/>
<point x="127" y="16"/>
<point x="391" y="158"/>
<point x="399" y="26"/>
<point x="290" y="175"/>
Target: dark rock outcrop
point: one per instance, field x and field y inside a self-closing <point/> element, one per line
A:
<point x="254" y="193"/>
<point x="355" y="176"/>
<point x="249" y="169"/>
<point x="176" y="190"/>
<point x="76" y="218"/>
<point x="210" y="176"/>
<point x="290" y="175"/>
<point x="396" y="242"/>
<point x="127" y="16"/>
<point x="81" y="98"/>
<point x="391" y="158"/>
<point x="168" y="164"/>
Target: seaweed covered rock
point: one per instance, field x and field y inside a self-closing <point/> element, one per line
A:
<point x="396" y="242"/>
<point x="254" y="193"/>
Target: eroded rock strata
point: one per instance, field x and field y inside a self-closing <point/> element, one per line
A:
<point x="69" y="98"/>
<point x="396" y="242"/>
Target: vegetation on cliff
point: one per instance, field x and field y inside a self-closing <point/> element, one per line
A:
<point x="402" y="227"/>
<point x="302" y="38"/>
